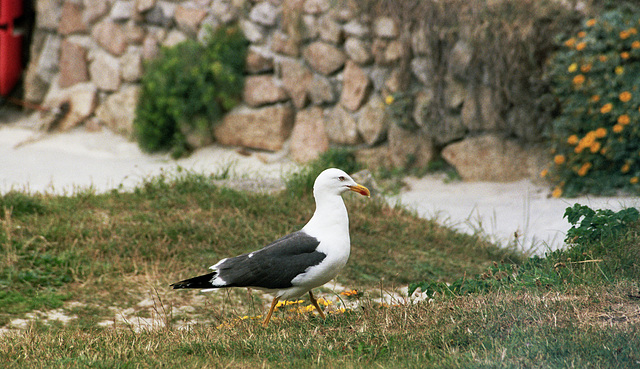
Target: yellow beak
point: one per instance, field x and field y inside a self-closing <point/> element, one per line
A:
<point x="362" y="190"/>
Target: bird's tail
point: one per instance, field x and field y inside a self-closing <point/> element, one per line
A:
<point x="203" y="281"/>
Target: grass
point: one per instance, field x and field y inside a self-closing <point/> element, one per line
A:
<point x="107" y="260"/>
<point x="499" y="329"/>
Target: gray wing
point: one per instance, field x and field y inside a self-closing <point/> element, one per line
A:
<point x="275" y="265"/>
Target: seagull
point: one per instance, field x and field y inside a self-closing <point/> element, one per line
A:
<point x="298" y="262"/>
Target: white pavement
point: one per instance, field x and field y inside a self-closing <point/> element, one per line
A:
<point x="62" y="163"/>
<point x="66" y="162"/>
<point x="519" y="213"/>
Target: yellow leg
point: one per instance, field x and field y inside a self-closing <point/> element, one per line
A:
<point x="273" y="306"/>
<point x="315" y="303"/>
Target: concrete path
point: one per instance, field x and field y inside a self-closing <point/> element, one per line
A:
<point x="519" y="212"/>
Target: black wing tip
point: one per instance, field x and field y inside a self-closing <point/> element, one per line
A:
<point x="178" y="285"/>
<point x="202" y="281"/>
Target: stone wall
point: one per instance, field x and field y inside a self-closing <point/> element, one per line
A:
<point x="320" y="73"/>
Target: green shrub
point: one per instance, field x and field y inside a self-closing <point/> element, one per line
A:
<point x="596" y="137"/>
<point x="588" y="225"/>
<point x="188" y="88"/>
<point x="602" y="235"/>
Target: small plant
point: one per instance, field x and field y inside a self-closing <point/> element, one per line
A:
<point x="596" y="137"/>
<point x="188" y="88"/>
<point x="399" y="109"/>
<point x="588" y="225"/>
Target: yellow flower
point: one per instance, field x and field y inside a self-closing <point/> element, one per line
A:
<point x="624" y="55"/>
<point x="624" y="119"/>
<point x="585" y="68"/>
<point x="602" y="58"/>
<point x="570" y="42"/>
<point x="572" y="140"/>
<point x="285" y="303"/>
<point x="588" y="139"/>
<point x="624" y="34"/>
<point x="591" y="22"/>
<point x="618" y="128"/>
<point x="595" y="147"/>
<point x="606" y="108"/>
<point x="619" y="70"/>
<point x="389" y="100"/>
<point x="595" y="98"/>
<point x="578" y="149"/>
<point x="557" y="192"/>
<point x="635" y="45"/>
<point x="559" y="159"/>
<point x="633" y="31"/>
<point x="581" y="46"/>
<point x="625" y="96"/>
<point x="578" y="79"/>
<point x="584" y="169"/>
<point x="633" y="180"/>
<point x="544" y="173"/>
<point x="307" y="308"/>
<point x="601" y="132"/>
<point x="625" y="168"/>
<point x="573" y="67"/>
<point x="349" y="293"/>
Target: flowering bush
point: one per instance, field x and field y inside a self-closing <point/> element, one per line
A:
<point x="596" y="137"/>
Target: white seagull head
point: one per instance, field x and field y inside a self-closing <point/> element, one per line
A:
<point x="334" y="181"/>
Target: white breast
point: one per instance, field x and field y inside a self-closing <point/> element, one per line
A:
<point x="330" y="225"/>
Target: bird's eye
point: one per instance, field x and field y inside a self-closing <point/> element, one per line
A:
<point x="341" y="178"/>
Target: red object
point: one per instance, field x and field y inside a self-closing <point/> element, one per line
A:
<point x="10" y="63"/>
<point x="9" y="11"/>
<point x="10" y="45"/>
